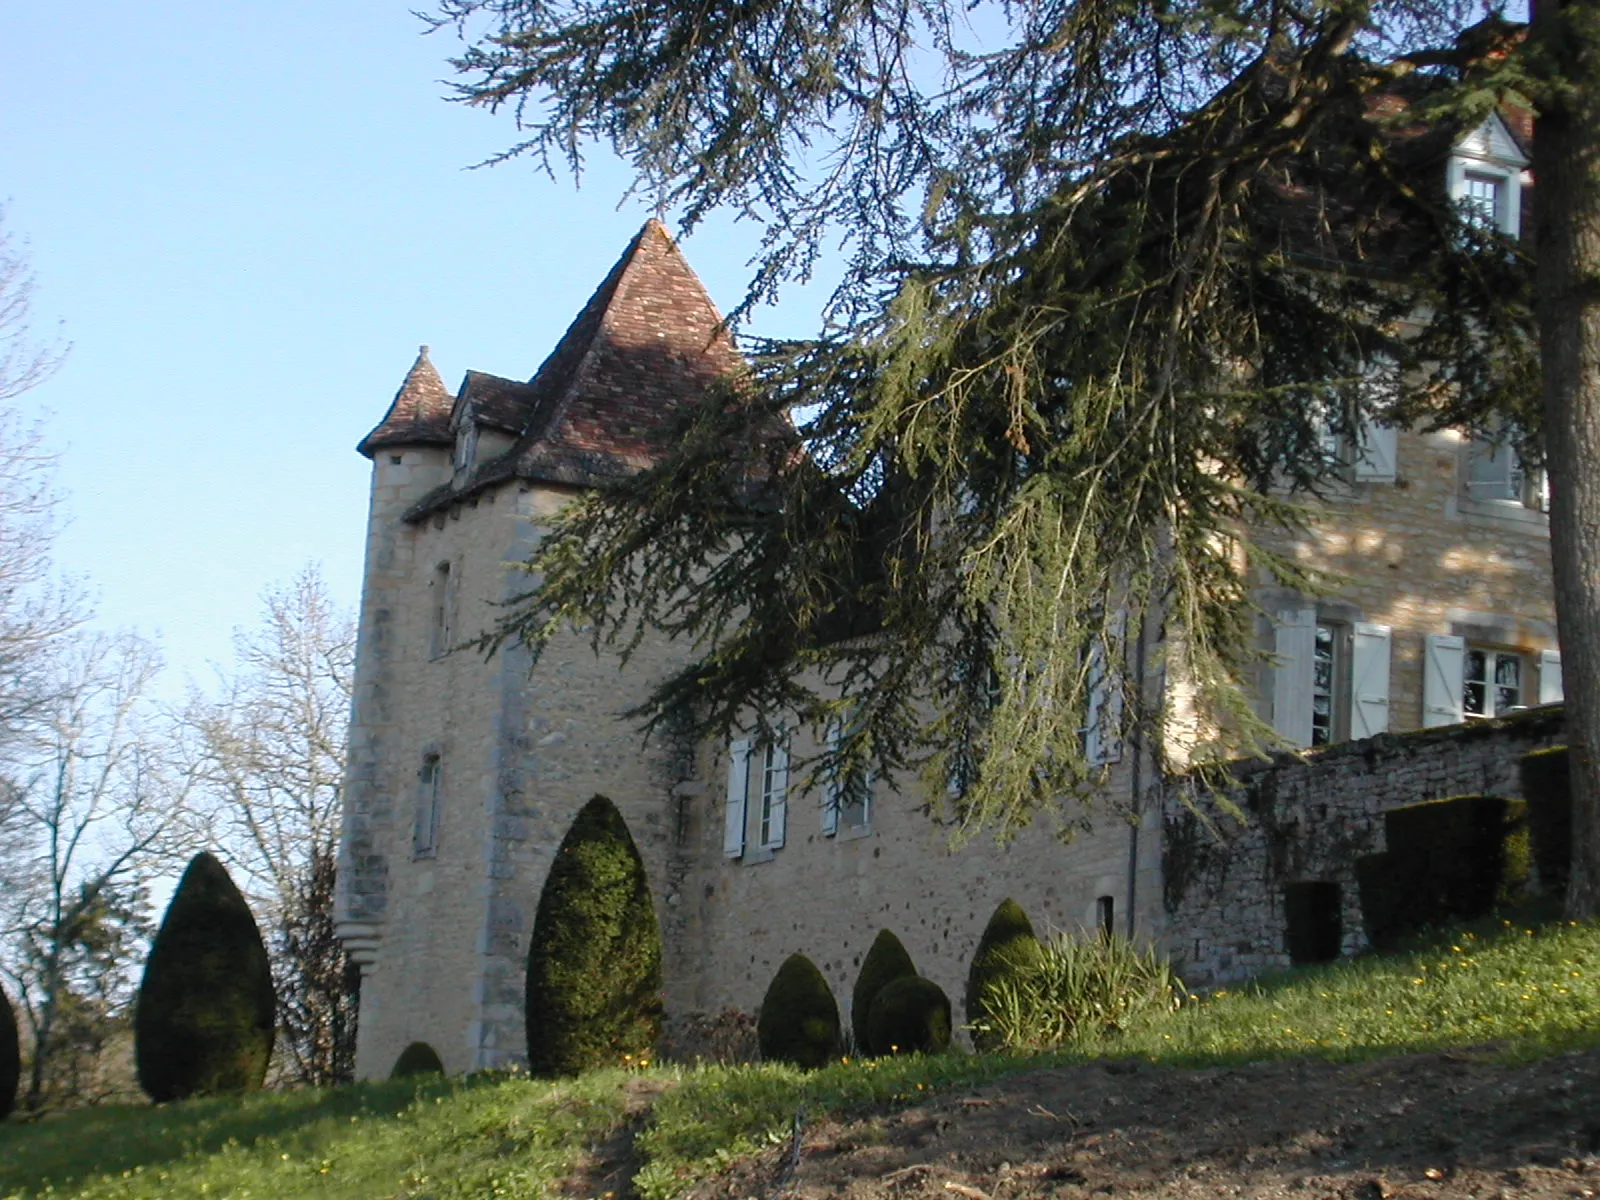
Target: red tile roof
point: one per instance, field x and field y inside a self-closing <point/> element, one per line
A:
<point x="648" y="343"/>
<point x="420" y="414"/>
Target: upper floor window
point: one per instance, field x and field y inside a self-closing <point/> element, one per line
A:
<point x="1495" y="471"/>
<point x="847" y="801"/>
<point x="1330" y="680"/>
<point x="1465" y="681"/>
<point x="757" y="809"/>
<point x="1485" y="177"/>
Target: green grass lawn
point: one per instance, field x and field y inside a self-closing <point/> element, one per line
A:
<point x="1527" y="990"/>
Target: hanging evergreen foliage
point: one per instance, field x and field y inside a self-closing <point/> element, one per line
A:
<point x="594" y="964"/>
<point x="10" y="1057"/>
<point x="885" y="962"/>
<point x="1110" y="288"/>
<point x="204" y="1019"/>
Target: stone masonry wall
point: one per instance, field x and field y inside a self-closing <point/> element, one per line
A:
<point x="1309" y="818"/>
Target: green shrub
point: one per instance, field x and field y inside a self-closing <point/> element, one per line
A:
<point x="1547" y="789"/>
<point x="418" y="1058"/>
<point x="1007" y="948"/>
<point x="1448" y="860"/>
<point x="203" y="1022"/>
<point x="1075" y="988"/>
<point x="799" y="1021"/>
<point x="594" y="965"/>
<point x="886" y="961"/>
<point x="910" y="1015"/>
<point x="10" y="1057"/>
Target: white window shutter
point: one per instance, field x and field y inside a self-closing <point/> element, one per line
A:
<point x="1550" y="677"/>
<point x="1369" y="680"/>
<point x="1295" y="646"/>
<point x="1441" y="680"/>
<point x="738" y="787"/>
<point x="776" y="796"/>
<point x="1377" y="455"/>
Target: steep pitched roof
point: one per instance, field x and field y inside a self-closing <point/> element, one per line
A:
<point x="420" y="414"/>
<point x="648" y="343"/>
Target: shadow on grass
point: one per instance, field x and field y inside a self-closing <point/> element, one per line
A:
<point x="115" y="1140"/>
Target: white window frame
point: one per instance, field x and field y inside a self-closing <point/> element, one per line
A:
<point x="772" y="809"/>
<point x="1492" y="657"/>
<point x="1550" y="689"/>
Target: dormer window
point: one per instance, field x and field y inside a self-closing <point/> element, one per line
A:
<point x="1486" y="175"/>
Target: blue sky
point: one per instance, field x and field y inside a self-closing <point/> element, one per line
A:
<point x="248" y="216"/>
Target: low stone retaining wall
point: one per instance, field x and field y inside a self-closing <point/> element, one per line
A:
<point x="1307" y="818"/>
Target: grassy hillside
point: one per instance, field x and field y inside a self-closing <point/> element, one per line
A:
<point x="1529" y="991"/>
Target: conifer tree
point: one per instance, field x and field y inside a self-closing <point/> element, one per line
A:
<point x="204" y="1018"/>
<point x="1007" y="948"/>
<point x="10" y="1057"/>
<point x="594" y="965"/>
<point x="885" y="962"/>
<point x="1091" y="322"/>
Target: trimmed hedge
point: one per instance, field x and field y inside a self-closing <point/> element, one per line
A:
<point x="886" y="962"/>
<point x="418" y="1058"/>
<point x="1007" y="950"/>
<point x="203" y="1021"/>
<point x="10" y="1057"/>
<point x="910" y="1015"/>
<point x="1448" y="860"/>
<point x="594" y="965"/>
<point x="1547" y="788"/>
<point x="799" y="1021"/>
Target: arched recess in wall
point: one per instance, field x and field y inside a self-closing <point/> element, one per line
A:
<point x="594" y="962"/>
<point x="418" y="1058"/>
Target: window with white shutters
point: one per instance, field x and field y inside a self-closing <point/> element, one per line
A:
<point x="1550" y="677"/>
<point x="1377" y="456"/>
<point x="1442" y="677"/>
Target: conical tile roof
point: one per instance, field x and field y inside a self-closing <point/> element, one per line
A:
<point x="420" y="414"/>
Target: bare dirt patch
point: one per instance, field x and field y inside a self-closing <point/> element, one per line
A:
<point x="1417" y="1127"/>
<point x="607" y="1169"/>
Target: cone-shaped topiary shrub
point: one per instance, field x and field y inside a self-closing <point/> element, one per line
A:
<point x="910" y="1015"/>
<point x="419" y="1058"/>
<point x="885" y="962"/>
<point x="594" y="967"/>
<point x="204" y="1018"/>
<point x="799" y="1021"/>
<point x="10" y="1057"/>
<point x="1006" y="950"/>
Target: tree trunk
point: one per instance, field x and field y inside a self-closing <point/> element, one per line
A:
<point x="1566" y="160"/>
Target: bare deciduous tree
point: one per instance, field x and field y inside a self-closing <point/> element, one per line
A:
<point x="95" y="807"/>
<point x="272" y="753"/>
<point x="34" y="612"/>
